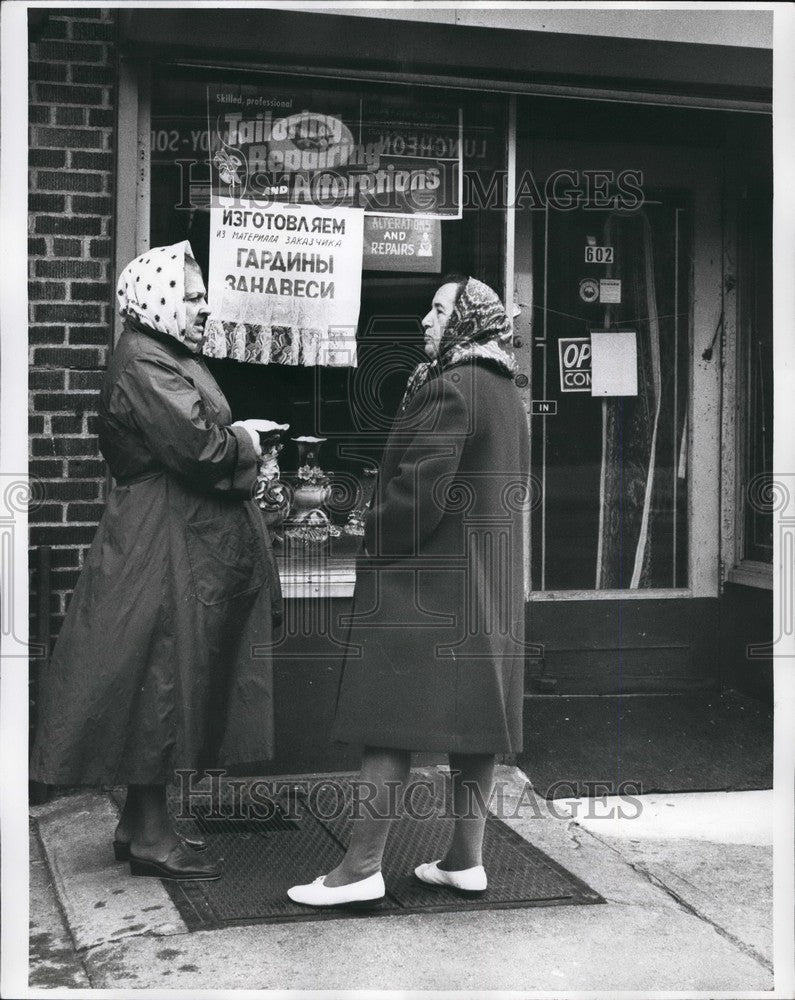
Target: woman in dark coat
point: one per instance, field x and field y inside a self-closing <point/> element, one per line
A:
<point x="435" y="656"/>
<point x="154" y="667"/>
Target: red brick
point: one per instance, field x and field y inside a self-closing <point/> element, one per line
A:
<point x="66" y="425"/>
<point x="52" y="29"/>
<point x="67" y="93"/>
<point x="89" y="335"/>
<point x="63" y="138"/>
<point x="85" y="467"/>
<point x="80" y="160"/>
<point x="68" y="269"/>
<point x="66" y="357"/>
<point x="46" y="334"/>
<point x="56" y="72"/>
<point x="93" y="74"/>
<point x="70" y="52"/>
<point x="37" y="245"/>
<point x="44" y="379"/>
<point x="100" y="248"/>
<point x="65" y="558"/>
<point x="101" y="117"/>
<point x="67" y="248"/>
<point x="35" y="424"/>
<point x="66" y="402"/>
<point x="67" y="312"/>
<point x="42" y="447"/>
<point x="70" y="116"/>
<point x="72" y="446"/>
<point x="39" y="291"/>
<point x="84" y="513"/>
<point x="90" y="31"/>
<point x="64" y="579"/>
<point x="65" y="181"/>
<point x="73" y="489"/>
<point x="46" y="469"/>
<point x="86" y="379"/>
<point x="91" y="205"/>
<point x="46" y="202"/>
<point x="67" y="534"/>
<point x="39" y="114"/>
<point x="47" y="157"/>
<point x="58" y="225"/>
<point x="47" y="513"/>
<point x="89" y="291"/>
<point x="73" y="14"/>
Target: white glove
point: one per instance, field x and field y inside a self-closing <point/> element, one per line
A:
<point x="254" y="427"/>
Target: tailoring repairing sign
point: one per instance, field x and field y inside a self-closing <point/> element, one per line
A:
<point x="285" y="284"/>
<point x="333" y="149"/>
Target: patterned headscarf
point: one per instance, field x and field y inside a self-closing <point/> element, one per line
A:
<point x="478" y="328"/>
<point x="151" y="289"/>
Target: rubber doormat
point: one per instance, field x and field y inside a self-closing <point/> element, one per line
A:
<point x="272" y="837"/>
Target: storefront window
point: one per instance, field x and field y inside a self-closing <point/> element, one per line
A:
<point x="605" y="263"/>
<point x="449" y="137"/>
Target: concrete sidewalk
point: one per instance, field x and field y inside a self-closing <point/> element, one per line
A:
<point x="688" y="883"/>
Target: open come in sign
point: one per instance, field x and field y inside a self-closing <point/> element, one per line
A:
<point x="574" y="354"/>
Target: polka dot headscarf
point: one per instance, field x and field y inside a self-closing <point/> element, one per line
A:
<point x="151" y="289"/>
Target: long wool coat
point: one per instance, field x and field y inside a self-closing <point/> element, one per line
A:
<point x="156" y="666"/>
<point x="435" y="659"/>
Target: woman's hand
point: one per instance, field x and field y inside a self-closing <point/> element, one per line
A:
<point x="256" y="427"/>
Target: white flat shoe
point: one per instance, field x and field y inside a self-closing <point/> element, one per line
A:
<point x="471" y="881"/>
<point x="364" y="893"/>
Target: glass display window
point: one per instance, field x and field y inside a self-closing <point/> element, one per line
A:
<point x="457" y="139"/>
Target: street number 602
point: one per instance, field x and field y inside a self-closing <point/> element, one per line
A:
<point x="598" y="255"/>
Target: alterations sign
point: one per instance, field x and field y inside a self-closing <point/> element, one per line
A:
<point x="333" y="149"/>
<point x="409" y="244"/>
<point x="285" y="284"/>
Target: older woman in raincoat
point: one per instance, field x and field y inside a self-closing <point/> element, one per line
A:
<point x="436" y="648"/>
<point x="155" y="666"/>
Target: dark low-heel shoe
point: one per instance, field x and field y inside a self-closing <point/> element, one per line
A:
<point x="181" y="865"/>
<point x="121" y="848"/>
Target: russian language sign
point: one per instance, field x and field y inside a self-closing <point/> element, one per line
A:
<point x="410" y="244"/>
<point x="333" y="149"/>
<point x="285" y="284"/>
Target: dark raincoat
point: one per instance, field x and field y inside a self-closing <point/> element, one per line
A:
<point x="157" y="665"/>
<point x="436" y="648"/>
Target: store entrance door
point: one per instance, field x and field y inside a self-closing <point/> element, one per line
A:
<point x="608" y="268"/>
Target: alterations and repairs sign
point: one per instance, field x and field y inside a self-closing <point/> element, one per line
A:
<point x="574" y="354"/>
<point x="409" y="244"/>
<point x="285" y="284"/>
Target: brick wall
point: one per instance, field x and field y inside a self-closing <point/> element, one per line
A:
<point x="72" y="91"/>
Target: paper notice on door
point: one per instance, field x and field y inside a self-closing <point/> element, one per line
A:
<point x="610" y="290"/>
<point x="614" y="363"/>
